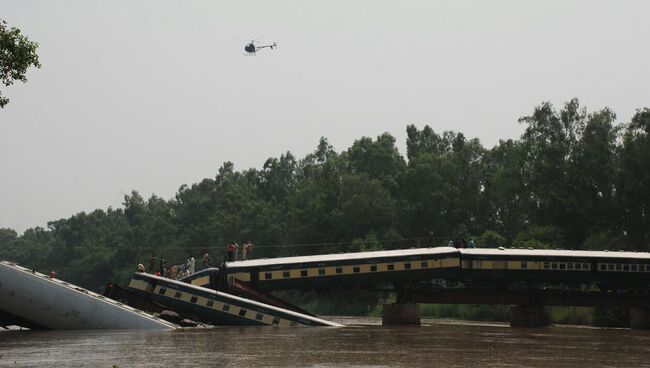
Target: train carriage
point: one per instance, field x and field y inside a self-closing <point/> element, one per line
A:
<point x="216" y="307"/>
<point x="621" y="269"/>
<point x="350" y="269"/>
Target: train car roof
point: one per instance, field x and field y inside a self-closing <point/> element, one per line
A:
<point x="555" y="253"/>
<point x="342" y="257"/>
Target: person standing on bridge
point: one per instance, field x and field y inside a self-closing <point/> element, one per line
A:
<point x="162" y="266"/>
<point x="247" y="250"/>
<point x="192" y="266"/>
<point x="231" y="251"/>
<point x="152" y="263"/>
<point x="206" y="261"/>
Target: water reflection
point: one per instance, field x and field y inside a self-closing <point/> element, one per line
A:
<point x="364" y="344"/>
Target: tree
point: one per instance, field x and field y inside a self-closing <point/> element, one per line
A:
<point x="551" y="141"/>
<point x="633" y="179"/>
<point x="17" y="54"/>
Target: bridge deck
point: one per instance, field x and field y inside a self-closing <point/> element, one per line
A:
<point x="497" y="265"/>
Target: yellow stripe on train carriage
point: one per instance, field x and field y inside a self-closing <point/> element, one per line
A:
<point x="201" y="281"/>
<point x="141" y="285"/>
<point x="350" y="269"/>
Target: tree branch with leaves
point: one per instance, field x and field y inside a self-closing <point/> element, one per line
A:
<point x="17" y="54"/>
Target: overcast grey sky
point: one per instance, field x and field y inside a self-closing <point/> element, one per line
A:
<point x="149" y="95"/>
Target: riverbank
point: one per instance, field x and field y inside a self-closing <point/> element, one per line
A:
<point x="368" y="303"/>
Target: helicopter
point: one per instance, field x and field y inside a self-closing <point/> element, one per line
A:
<point x="252" y="49"/>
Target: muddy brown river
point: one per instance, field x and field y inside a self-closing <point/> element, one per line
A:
<point x="363" y="343"/>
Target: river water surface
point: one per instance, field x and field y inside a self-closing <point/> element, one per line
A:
<point x="363" y="343"/>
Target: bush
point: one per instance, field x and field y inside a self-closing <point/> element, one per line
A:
<point x="572" y="315"/>
<point x="466" y="312"/>
<point x="599" y="241"/>
<point x="544" y="237"/>
<point x="491" y="239"/>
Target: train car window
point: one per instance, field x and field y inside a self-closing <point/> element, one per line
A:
<point x="407" y="266"/>
<point x="339" y="270"/>
<point x="547" y="265"/>
<point x="242" y="312"/>
<point x="193" y="299"/>
<point x="641" y="268"/>
<point x="424" y="264"/>
<point x="259" y="316"/>
<point x="356" y="269"/>
<point x="626" y="267"/>
<point x="162" y="291"/>
<point x="321" y="271"/>
<point x="569" y="266"/>
<point x="373" y="268"/>
<point x="276" y="321"/>
<point x="225" y="308"/>
<point x="562" y="266"/>
<point x="610" y="267"/>
<point x="268" y="276"/>
<point x="618" y="267"/>
<point x="554" y="266"/>
<point x="178" y="294"/>
<point x="391" y="267"/>
<point x="210" y="303"/>
<point x="603" y="267"/>
<point x="285" y="274"/>
<point x="633" y="268"/>
<point x="524" y="265"/>
<point x="478" y="264"/>
<point x="303" y="273"/>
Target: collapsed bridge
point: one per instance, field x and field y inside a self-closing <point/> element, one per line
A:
<point x="530" y="278"/>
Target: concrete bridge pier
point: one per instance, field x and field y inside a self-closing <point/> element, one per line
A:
<point x="405" y="314"/>
<point x="640" y="318"/>
<point x="529" y="316"/>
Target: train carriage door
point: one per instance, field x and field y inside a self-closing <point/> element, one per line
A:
<point x="466" y="265"/>
<point x="255" y="276"/>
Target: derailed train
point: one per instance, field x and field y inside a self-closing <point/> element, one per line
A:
<point x="487" y="267"/>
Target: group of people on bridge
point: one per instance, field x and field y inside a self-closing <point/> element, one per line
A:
<point x="187" y="268"/>
<point x="174" y="271"/>
<point x="461" y="243"/>
<point x="232" y="251"/>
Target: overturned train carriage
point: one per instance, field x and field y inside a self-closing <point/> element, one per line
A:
<point x="216" y="307"/>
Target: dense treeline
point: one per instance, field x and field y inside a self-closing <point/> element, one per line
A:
<point x="574" y="179"/>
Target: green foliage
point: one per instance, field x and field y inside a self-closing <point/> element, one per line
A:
<point x="17" y="54"/>
<point x="572" y="315"/>
<point x="466" y="312"/>
<point x="574" y="179"/>
<point x="600" y="241"/>
<point x="611" y="317"/>
<point x="491" y="239"/>
<point x="541" y="237"/>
